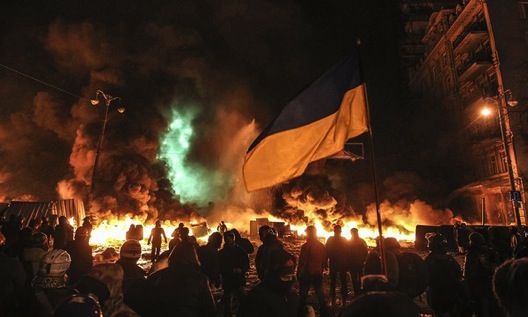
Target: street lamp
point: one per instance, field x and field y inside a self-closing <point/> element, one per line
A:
<point x="505" y="99"/>
<point x="108" y="100"/>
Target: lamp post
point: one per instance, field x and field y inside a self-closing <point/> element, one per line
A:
<point x="108" y="100"/>
<point x="504" y="120"/>
<point x="507" y="142"/>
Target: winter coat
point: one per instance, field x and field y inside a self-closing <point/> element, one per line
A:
<point x="81" y="260"/>
<point x="234" y="263"/>
<point x="178" y="290"/>
<point x="262" y="258"/>
<point x="357" y="253"/>
<point x="336" y="249"/>
<point x="444" y="275"/>
<point x="111" y="275"/>
<point x="312" y="259"/>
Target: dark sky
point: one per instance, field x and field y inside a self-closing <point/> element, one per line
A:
<point x="234" y="61"/>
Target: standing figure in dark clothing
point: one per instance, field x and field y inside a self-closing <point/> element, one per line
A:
<point x="478" y="272"/>
<point x="336" y="249"/>
<point x="445" y="275"/>
<point x="46" y="228"/>
<point x="244" y="243"/>
<point x="178" y="290"/>
<point x="129" y="255"/>
<point x="357" y="253"/>
<point x="132" y="233"/>
<point x="63" y="233"/>
<point x="48" y="288"/>
<point x="155" y="237"/>
<point x="312" y="263"/>
<point x="270" y="243"/>
<point x="461" y="233"/>
<point x="273" y="296"/>
<point x="210" y="259"/>
<point x="510" y="285"/>
<point x="87" y="223"/>
<point x="222" y="228"/>
<point x="81" y="256"/>
<point x="234" y="263"/>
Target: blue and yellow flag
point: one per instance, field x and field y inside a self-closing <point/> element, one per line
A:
<point x="314" y="125"/>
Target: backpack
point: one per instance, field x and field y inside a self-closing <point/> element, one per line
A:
<point x="413" y="274"/>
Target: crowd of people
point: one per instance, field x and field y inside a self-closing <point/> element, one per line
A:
<point x="50" y="270"/>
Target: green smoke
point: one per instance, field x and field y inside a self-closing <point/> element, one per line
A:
<point x="191" y="181"/>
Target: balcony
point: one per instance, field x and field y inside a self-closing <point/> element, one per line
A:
<point x="474" y="66"/>
<point x="472" y="37"/>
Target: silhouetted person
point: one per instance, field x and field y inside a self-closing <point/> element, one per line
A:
<point x="273" y="296"/>
<point x="413" y="274"/>
<point x="132" y="233"/>
<point x="129" y="255"/>
<point x="12" y="274"/>
<point x="81" y="255"/>
<point x="178" y="290"/>
<point x="357" y="253"/>
<point x="111" y="275"/>
<point x="461" y="232"/>
<point x="48" y="288"/>
<point x="210" y="259"/>
<point x="63" y="233"/>
<point x="234" y="263"/>
<point x="87" y="223"/>
<point x="222" y="228"/>
<point x="46" y="228"/>
<point x="270" y="243"/>
<point x="478" y="272"/>
<point x="312" y="262"/>
<point x="155" y="237"/>
<point x="445" y="277"/>
<point x="32" y="253"/>
<point x="336" y="249"/>
<point x="510" y="286"/>
<point x="373" y="264"/>
<point x="244" y="243"/>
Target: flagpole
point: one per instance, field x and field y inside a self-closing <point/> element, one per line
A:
<point x="373" y="170"/>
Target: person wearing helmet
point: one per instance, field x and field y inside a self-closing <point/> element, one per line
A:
<point x="273" y="296"/>
<point x="48" y="287"/>
<point x="33" y="252"/>
<point x="209" y="259"/>
<point x="234" y="263"/>
<point x="270" y="243"/>
<point x="445" y="276"/>
<point x="78" y="305"/>
<point x="129" y="255"/>
<point x="62" y="234"/>
<point x="478" y="272"/>
<point x="81" y="255"/>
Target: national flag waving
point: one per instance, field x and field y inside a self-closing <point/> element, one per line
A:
<point x="314" y="125"/>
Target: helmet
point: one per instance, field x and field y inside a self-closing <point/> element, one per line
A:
<point x="81" y="232"/>
<point x="131" y="249"/>
<point x="55" y="263"/>
<point x="392" y="244"/>
<point x="38" y="240"/>
<point x="436" y="242"/>
<point x="78" y="305"/>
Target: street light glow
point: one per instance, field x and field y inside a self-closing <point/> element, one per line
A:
<point x="486" y="112"/>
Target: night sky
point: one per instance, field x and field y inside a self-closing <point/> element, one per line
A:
<point x="231" y="61"/>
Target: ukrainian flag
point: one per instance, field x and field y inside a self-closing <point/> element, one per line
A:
<point x="314" y="125"/>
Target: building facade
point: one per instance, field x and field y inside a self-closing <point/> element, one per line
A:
<point x="472" y="54"/>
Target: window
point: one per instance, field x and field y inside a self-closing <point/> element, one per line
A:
<point x="504" y="162"/>
<point x="493" y="165"/>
